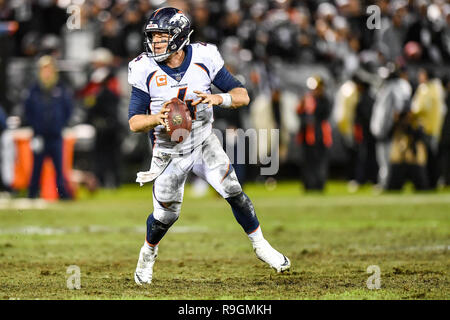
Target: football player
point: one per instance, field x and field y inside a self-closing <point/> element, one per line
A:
<point x="172" y="67"/>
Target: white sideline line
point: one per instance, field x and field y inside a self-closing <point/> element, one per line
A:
<point x="355" y="201"/>
<point x="358" y="250"/>
<point x="425" y="248"/>
<point x="48" y="231"/>
<point x="23" y="204"/>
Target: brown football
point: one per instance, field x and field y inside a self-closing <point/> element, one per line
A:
<point x="178" y="121"/>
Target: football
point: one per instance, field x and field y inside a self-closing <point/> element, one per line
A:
<point x="178" y="121"/>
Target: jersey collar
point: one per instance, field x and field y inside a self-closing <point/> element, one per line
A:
<point x="178" y="73"/>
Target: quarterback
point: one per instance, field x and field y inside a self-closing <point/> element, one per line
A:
<point x="172" y="67"/>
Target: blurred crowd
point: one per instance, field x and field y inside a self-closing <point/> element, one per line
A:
<point x="357" y="84"/>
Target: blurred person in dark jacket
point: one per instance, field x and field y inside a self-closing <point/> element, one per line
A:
<point x="101" y="97"/>
<point x="133" y="19"/>
<point x="444" y="36"/>
<point x="314" y="134"/>
<point x="3" y="126"/>
<point x="3" y="117"/>
<point x="48" y="108"/>
<point x="444" y="148"/>
<point x="112" y="37"/>
<point x="366" y="165"/>
<point x="203" y="21"/>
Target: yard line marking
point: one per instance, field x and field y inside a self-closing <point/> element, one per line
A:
<point x="48" y="231"/>
<point x="23" y="204"/>
<point x="354" y="201"/>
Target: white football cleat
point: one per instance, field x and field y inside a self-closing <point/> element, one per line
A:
<point x="272" y="257"/>
<point x="144" y="269"/>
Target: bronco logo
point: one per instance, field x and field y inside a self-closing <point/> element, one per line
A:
<point x="179" y="20"/>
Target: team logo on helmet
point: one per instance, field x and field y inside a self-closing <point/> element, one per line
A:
<point x="180" y="21"/>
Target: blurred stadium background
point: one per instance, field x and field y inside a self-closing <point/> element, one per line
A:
<point x="281" y="50"/>
<point x="272" y="46"/>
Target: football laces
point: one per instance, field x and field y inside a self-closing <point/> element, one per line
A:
<point x="167" y="125"/>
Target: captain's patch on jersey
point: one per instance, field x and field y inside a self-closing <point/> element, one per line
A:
<point x="161" y="80"/>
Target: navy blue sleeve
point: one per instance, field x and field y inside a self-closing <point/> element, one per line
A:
<point x="3" y="117"/>
<point x="29" y="110"/>
<point x="225" y="81"/>
<point x="139" y="102"/>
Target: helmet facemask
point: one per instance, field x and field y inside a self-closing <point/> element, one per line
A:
<point x="149" y="46"/>
<point x="176" y="35"/>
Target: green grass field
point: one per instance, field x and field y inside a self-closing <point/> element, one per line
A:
<point x="331" y="240"/>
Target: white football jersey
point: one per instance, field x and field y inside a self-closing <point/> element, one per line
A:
<point x="200" y="66"/>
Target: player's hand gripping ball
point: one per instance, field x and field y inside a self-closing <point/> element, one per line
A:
<point x="178" y="121"/>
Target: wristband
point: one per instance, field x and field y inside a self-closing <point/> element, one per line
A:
<point x="226" y="103"/>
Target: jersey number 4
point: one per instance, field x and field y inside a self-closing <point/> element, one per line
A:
<point x="192" y="109"/>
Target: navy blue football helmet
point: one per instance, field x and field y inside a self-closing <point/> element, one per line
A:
<point x="172" y="21"/>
